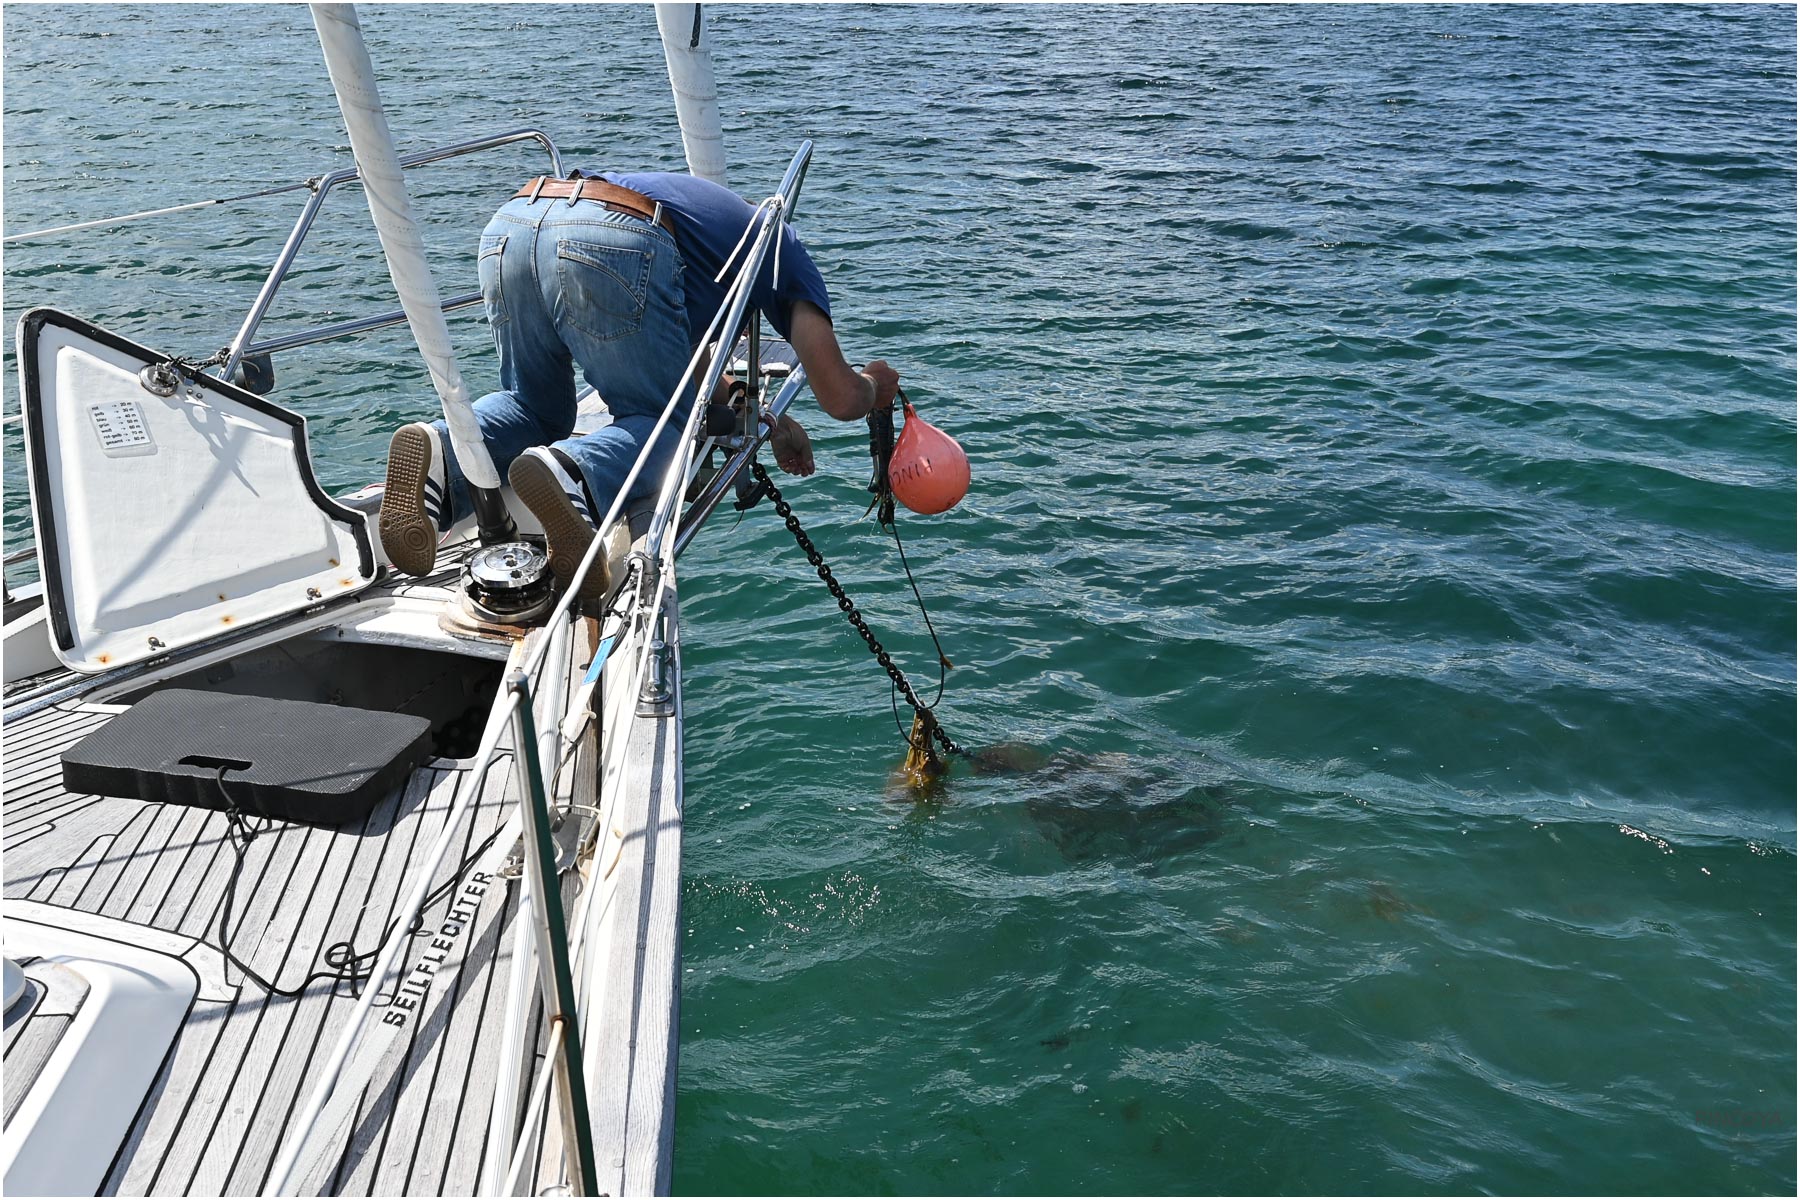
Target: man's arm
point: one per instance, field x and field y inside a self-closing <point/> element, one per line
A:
<point x="842" y="392"/>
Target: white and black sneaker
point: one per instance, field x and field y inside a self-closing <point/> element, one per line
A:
<point x="549" y="485"/>
<point x="417" y="499"/>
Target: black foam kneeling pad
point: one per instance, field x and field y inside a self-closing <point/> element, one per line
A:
<point x="318" y="763"/>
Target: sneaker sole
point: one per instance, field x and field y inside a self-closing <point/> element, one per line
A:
<point x="407" y="533"/>
<point x="568" y="534"/>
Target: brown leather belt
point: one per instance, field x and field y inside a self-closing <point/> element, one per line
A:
<point x="607" y="195"/>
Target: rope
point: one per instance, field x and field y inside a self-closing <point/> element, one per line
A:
<point x="346" y="963"/>
<point x="155" y="212"/>
<point x="943" y="659"/>
<point x="854" y="615"/>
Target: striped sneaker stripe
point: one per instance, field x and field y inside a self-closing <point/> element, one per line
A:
<point x="435" y="506"/>
<point x="569" y="478"/>
<point x="581" y="505"/>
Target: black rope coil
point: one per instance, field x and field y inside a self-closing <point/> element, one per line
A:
<point x="348" y="965"/>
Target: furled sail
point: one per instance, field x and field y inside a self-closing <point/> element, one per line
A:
<point x="353" y="78"/>
<point x="689" y="53"/>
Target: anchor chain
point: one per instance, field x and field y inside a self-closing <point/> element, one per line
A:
<point x="850" y="611"/>
<point x="192" y="367"/>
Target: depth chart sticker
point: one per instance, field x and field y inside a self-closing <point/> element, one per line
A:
<point x="122" y="429"/>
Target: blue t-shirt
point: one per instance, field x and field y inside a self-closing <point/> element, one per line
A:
<point x="709" y="222"/>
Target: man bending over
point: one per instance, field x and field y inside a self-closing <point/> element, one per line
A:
<point x="611" y="275"/>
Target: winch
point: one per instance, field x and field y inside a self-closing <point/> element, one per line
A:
<point x="509" y="583"/>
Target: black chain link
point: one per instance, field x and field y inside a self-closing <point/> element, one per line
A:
<point x="192" y="367"/>
<point x="850" y="611"/>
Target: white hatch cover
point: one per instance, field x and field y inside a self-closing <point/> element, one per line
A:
<point x="170" y="507"/>
<point x="107" y="1015"/>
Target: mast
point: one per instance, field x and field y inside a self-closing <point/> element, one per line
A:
<point x="353" y="78"/>
<point x="688" y="51"/>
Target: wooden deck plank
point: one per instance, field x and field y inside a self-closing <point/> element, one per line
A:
<point x="362" y="923"/>
<point x="26" y="839"/>
<point x="43" y="808"/>
<point x="359" y="920"/>
<point x="48" y="727"/>
<point x="407" y="1136"/>
<point x="170" y="865"/>
<point x="409" y="826"/>
<point x="244" y="1125"/>
<point x="23" y="794"/>
<point x="26" y="1057"/>
<point x="446" y="1094"/>
<point x="360" y="1157"/>
<point x="50" y="731"/>
<point x="154" y="825"/>
<point x="29" y="780"/>
<point x="32" y="761"/>
<point x="468" y="1128"/>
<point x="75" y="880"/>
<point x="365" y="1158"/>
<point x="209" y="850"/>
<point x="30" y="803"/>
<point x="39" y="803"/>
<point x="261" y="939"/>
<point x="429" y="829"/>
<point x="199" y="913"/>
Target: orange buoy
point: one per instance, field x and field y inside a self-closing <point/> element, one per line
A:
<point x="929" y="473"/>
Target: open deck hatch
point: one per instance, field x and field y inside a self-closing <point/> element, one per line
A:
<point x="168" y="515"/>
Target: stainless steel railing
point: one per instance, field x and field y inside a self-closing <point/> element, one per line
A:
<point x="321" y="186"/>
<point x="536" y="757"/>
<point x="531" y="750"/>
<point x="241" y="345"/>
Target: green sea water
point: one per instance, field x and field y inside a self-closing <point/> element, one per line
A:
<point x="1383" y="428"/>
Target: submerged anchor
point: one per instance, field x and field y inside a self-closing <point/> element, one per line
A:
<point x="923" y="762"/>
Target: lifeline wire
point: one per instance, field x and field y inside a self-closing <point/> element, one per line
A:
<point x="156" y="212"/>
<point x="944" y="663"/>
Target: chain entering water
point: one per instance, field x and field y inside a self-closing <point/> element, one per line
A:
<point x="850" y="611"/>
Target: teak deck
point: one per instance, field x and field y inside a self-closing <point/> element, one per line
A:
<point x="244" y="1061"/>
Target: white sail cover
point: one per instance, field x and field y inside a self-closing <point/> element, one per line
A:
<point x="353" y="78"/>
<point x="688" y="51"/>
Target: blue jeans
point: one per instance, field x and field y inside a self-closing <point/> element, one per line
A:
<point x="570" y="286"/>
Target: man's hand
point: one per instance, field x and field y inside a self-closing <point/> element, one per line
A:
<point x="793" y="449"/>
<point x="886" y="381"/>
